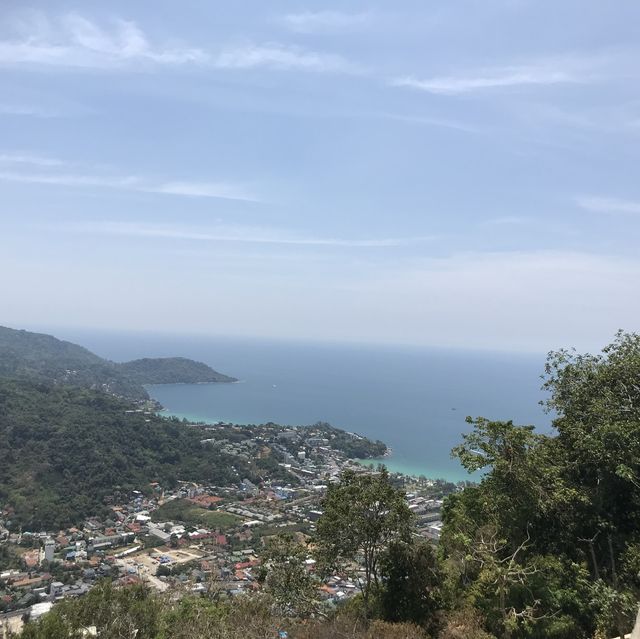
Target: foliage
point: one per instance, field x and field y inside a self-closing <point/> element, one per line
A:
<point x="362" y="515"/>
<point x="66" y="451"/>
<point x="464" y="623"/>
<point x="353" y="446"/>
<point x="547" y="544"/>
<point x="116" y="612"/>
<point x="171" y="370"/>
<point x="410" y="583"/>
<point x="287" y="579"/>
<point x="43" y="358"/>
<point x="138" y="612"/>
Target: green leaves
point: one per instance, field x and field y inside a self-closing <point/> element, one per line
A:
<point x="287" y="579"/>
<point x="70" y="449"/>
<point x="411" y="582"/>
<point x="362" y="515"/>
<point x="573" y="499"/>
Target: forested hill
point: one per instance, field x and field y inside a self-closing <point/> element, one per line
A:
<point x="171" y="370"/>
<point x="44" y="358"/>
<point x="64" y="450"/>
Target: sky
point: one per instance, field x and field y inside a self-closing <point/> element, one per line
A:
<point x="460" y="173"/>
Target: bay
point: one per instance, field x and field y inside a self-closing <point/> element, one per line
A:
<point x="413" y="399"/>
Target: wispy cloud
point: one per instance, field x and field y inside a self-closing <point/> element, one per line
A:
<point x="200" y="189"/>
<point x="504" y="77"/>
<point x="277" y="56"/>
<point x="607" y="205"/>
<point x="74" y="41"/>
<point x="55" y="177"/>
<point x="30" y="159"/>
<point x="324" y="21"/>
<point x="27" y="110"/>
<point x="242" y="234"/>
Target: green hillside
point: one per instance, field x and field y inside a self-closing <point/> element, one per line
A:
<point x="171" y="370"/>
<point x="44" y="358"/>
<point x="65" y="450"/>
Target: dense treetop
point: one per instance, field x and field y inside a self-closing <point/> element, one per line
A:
<point x="548" y="544"/>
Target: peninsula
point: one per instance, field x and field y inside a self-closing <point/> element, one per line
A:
<point x="43" y="358"/>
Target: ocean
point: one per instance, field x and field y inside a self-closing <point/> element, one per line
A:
<point x="413" y="399"/>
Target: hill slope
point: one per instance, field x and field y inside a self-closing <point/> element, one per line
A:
<point x="64" y="450"/>
<point x="44" y="358"/>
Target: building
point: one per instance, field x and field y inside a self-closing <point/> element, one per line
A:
<point x="49" y="548"/>
<point x="55" y="590"/>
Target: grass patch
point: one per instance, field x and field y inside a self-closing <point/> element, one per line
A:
<point x="184" y="511"/>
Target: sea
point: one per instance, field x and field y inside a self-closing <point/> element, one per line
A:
<point x="413" y="399"/>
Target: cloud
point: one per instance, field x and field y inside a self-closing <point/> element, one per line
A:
<point x="26" y="110"/>
<point x="242" y="234"/>
<point x="74" y="41"/>
<point x="27" y="158"/>
<point x="504" y="77"/>
<point x="609" y="205"/>
<point x="436" y="300"/>
<point x="276" y="56"/>
<point x="478" y="300"/>
<point x="324" y="21"/>
<point x="130" y="183"/>
<point x="200" y="189"/>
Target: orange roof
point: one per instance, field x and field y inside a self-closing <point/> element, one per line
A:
<point x="30" y="582"/>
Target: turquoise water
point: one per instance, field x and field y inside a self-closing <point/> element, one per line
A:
<point x="415" y="400"/>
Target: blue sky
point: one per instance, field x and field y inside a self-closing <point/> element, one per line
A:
<point x="450" y="173"/>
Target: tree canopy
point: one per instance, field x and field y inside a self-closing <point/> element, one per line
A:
<point x="66" y="450"/>
<point x="548" y="544"/>
<point x="362" y="515"/>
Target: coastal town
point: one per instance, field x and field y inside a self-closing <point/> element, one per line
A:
<point x="199" y="538"/>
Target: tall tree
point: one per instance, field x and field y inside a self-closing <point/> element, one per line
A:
<point x="562" y="512"/>
<point x="410" y="583"/>
<point x="286" y="576"/>
<point x="362" y="515"/>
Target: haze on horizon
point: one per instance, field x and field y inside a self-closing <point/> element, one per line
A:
<point x="456" y="174"/>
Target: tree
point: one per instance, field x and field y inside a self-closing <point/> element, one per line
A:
<point x="362" y="515"/>
<point x="548" y="542"/>
<point x="596" y="399"/>
<point x="116" y="612"/>
<point x="287" y="578"/>
<point x="410" y="583"/>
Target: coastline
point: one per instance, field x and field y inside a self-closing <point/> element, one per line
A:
<point x="392" y="462"/>
<point x="395" y="464"/>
